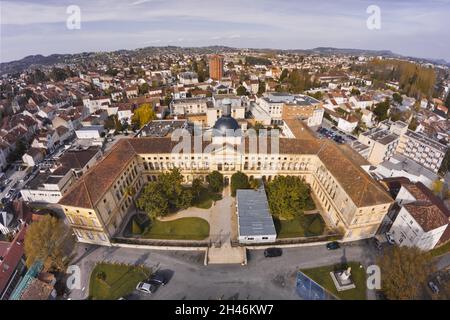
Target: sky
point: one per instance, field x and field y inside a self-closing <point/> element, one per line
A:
<point x="409" y="27"/>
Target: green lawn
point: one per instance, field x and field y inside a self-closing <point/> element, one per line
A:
<point x="322" y="276"/>
<point x="441" y="250"/>
<point x="206" y="199"/>
<point x="118" y="280"/>
<point x="313" y="225"/>
<point x="179" y="229"/>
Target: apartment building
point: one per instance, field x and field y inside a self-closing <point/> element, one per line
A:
<point x="49" y="185"/>
<point x="278" y="106"/>
<point x="188" y="106"/>
<point x="422" y="220"/>
<point x="216" y="67"/>
<point x="428" y="152"/>
<point x="381" y="143"/>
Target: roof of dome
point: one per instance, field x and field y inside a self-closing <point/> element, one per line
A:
<point x="226" y="123"/>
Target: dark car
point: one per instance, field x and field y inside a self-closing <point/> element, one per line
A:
<point x="157" y="279"/>
<point x="333" y="245"/>
<point x="377" y="243"/>
<point x="272" y="252"/>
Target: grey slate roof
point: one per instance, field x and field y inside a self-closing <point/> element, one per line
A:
<point x="254" y="215"/>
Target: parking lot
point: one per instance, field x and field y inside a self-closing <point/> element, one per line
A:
<point x="329" y="131"/>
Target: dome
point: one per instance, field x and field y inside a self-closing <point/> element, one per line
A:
<point x="226" y="123"/>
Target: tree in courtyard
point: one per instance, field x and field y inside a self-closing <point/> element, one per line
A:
<point x="215" y="181"/>
<point x="48" y="240"/>
<point x="239" y="180"/>
<point x="166" y="195"/>
<point x="153" y="201"/>
<point x="404" y="271"/>
<point x="196" y="188"/>
<point x="288" y="196"/>
<point x="143" y="115"/>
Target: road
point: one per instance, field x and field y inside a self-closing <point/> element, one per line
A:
<point x="261" y="278"/>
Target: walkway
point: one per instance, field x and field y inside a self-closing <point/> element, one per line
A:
<point x="221" y="232"/>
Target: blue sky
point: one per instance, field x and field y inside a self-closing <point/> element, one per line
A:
<point x="409" y="27"/>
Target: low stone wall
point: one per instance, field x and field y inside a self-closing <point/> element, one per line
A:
<point x="161" y="244"/>
<point x="292" y="242"/>
<point x="149" y="247"/>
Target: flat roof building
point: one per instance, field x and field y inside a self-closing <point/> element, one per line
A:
<point x="255" y="223"/>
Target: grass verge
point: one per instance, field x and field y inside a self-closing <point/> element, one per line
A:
<point x="112" y="281"/>
<point x="322" y="276"/>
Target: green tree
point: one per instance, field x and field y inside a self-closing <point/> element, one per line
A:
<point x="397" y="97"/>
<point x="284" y="74"/>
<point x="355" y="92"/>
<point x="215" y="181"/>
<point x="19" y="151"/>
<point x="413" y="124"/>
<point x="143" y="88"/>
<point x="166" y="195"/>
<point x="437" y="187"/>
<point x="143" y="115"/>
<point x="241" y="91"/>
<point x="239" y="180"/>
<point x="261" y="87"/>
<point x="404" y="271"/>
<point x="381" y="110"/>
<point x="153" y="201"/>
<point x="258" y="126"/>
<point x="196" y="188"/>
<point x="48" y="240"/>
<point x="288" y="196"/>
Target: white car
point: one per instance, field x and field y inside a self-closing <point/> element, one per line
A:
<point x="146" y="287"/>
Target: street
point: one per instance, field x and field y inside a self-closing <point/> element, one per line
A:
<point x="262" y="278"/>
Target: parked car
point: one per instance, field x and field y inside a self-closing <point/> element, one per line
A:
<point x="272" y="252"/>
<point x="157" y="279"/>
<point x="333" y="245"/>
<point x="377" y="243"/>
<point x="390" y="238"/>
<point x="145" y="287"/>
<point x="433" y="286"/>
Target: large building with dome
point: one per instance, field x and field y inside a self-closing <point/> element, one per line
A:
<point x="354" y="203"/>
